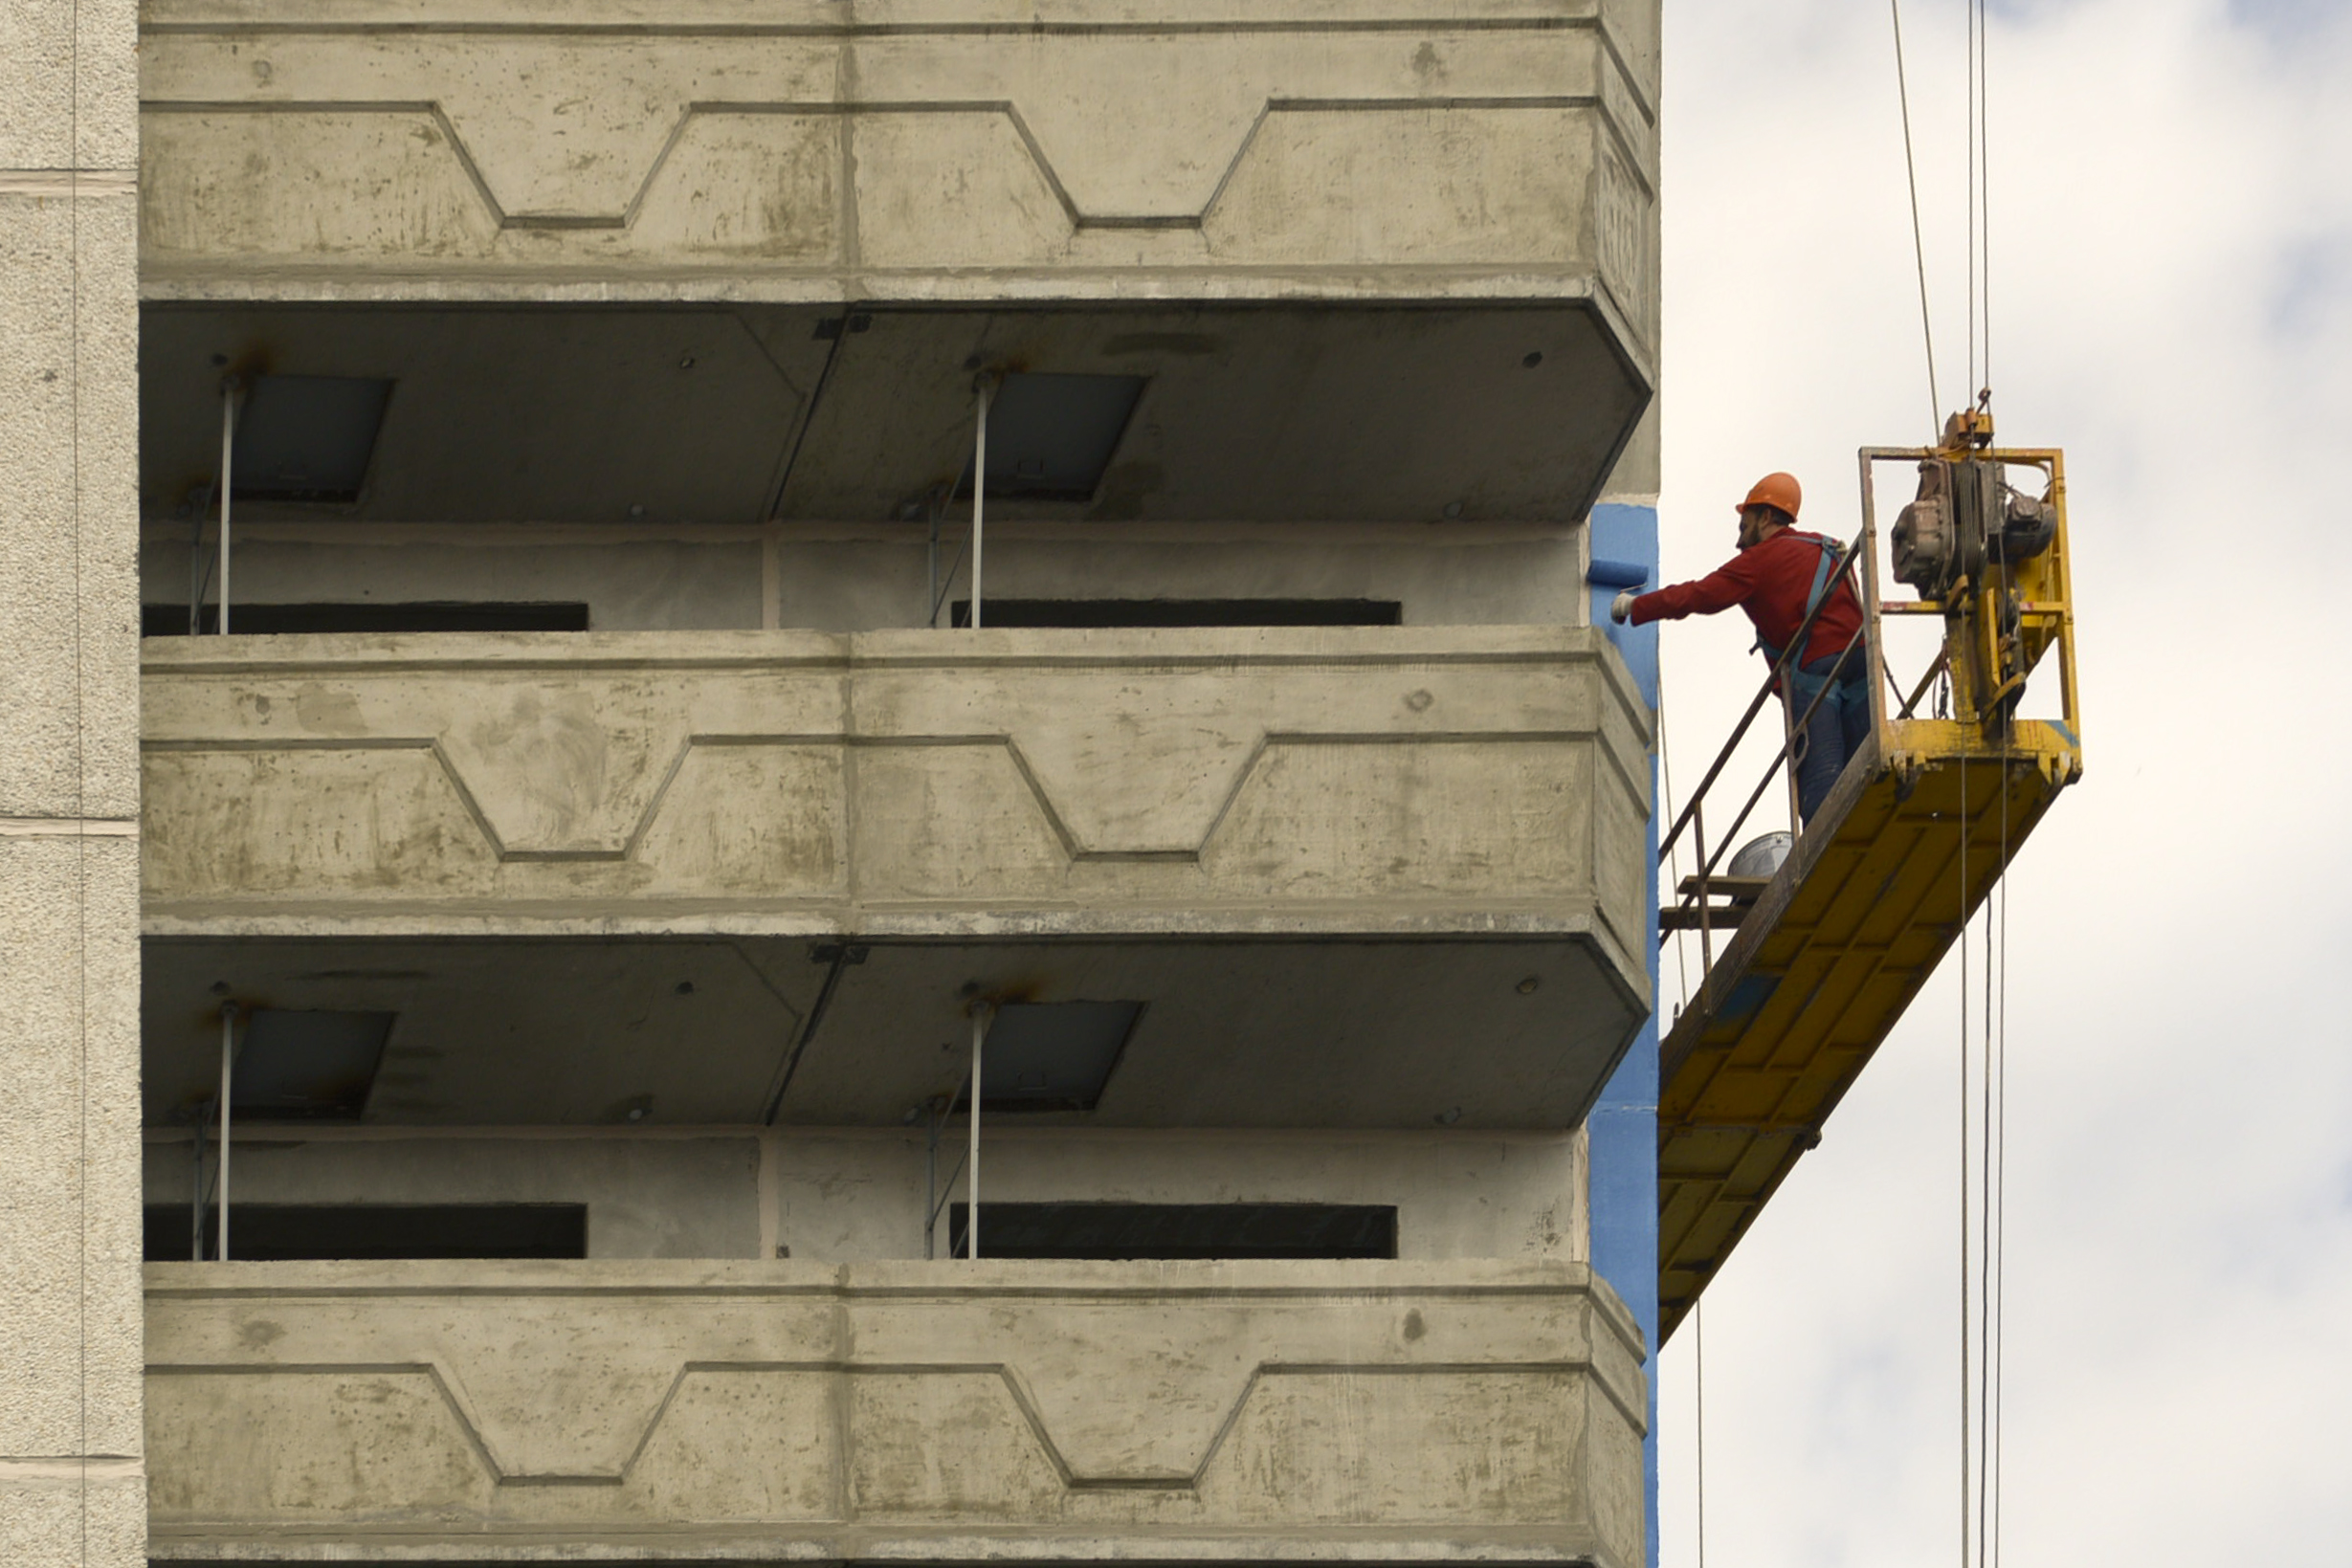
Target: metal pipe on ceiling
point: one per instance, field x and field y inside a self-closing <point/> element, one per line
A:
<point x="232" y="395"/>
<point x="985" y="387"/>
<point x="971" y="1152"/>
<point x="228" y="1059"/>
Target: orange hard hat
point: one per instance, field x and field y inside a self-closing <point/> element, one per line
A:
<point x="1780" y="490"/>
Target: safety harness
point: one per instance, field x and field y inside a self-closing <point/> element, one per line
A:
<point x="1803" y="688"/>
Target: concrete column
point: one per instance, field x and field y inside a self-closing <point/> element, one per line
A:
<point x="71" y="1487"/>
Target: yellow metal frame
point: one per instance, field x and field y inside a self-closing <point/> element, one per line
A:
<point x="2043" y="587"/>
<point x="1918" y="829"/>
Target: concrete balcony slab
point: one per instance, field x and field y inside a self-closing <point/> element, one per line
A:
<point x="1359" y="876"/>
<point x="955" y="149"/>
<point x="1450" y="414"/>
<point x="833" y="200"/>
<point x="911" y="1412"/>
<point x="1303" y="782"/>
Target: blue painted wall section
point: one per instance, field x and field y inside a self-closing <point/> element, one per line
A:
<point x="1624" y="1126"/>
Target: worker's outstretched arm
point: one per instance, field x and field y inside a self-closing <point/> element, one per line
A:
<point x="1721" y="589"/>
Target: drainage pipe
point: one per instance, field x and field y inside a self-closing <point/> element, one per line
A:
<point x="232" y="394"/>
<point x="228" y="1057"/>
<point x="971" y="1152"/>
<point x="986" y="386"/>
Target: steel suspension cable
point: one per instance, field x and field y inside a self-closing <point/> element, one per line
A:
<point x="1999" y="1264"/>
<point x="1986" y="1224"/>
<point x="1991" y="1149"/>
<point x="1991" y="1232"/>
<point x="1992" y="1341"/>
<point x="1983" y="197"/>
<point x="1968" y="99"/>
<point x="1965" y="1358"/>
<point x="1984" y="1157"/>
<point x="1919" y="242"/>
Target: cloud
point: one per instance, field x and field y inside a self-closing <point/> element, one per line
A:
<point x="2171" y="241"/>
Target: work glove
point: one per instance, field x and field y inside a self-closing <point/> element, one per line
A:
<point x="1621" y="606"/>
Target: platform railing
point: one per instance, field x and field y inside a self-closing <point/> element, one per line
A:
<point x="1691" y="907"/>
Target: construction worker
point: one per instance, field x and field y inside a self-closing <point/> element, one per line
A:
<point x="1778" y="577"/>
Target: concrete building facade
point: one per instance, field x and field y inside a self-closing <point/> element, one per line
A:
<point x="801" y="576"/>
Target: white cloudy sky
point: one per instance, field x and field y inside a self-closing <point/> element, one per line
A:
<point x="2173" y="229"/>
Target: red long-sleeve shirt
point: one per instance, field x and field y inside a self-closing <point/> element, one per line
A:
<point x="1772" y="582"/>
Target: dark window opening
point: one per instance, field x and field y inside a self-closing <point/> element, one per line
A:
<point x="302" y="1065"/>
<point x="1183" y="613"/>
<point x="308" y="1232"/>
<point x="1051" y="436"/>
<point x="1051" y="1055"/>
<point x="266" y="620"/>
<point x="1111" y="1232"/>
<point x="308" y="438"/>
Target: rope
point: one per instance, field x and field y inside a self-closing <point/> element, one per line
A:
<point x="1919" y="242"/>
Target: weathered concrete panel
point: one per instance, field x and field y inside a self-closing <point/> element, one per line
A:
<point x="937" y="782"/>
<point x="1068" y="1411"/>
<point x="351" y="184"/>
<point x="960" y="149"/>
<point x="1461" y="185"/>
<point x="750" y="186"/>
<point x="327" y="821"/>
<point x="1342" y="820"/>
<point x="751" y="820"/>
<point x="942" y="191"/>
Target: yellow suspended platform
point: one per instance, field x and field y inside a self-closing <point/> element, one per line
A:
<point x="1822" y="959"/>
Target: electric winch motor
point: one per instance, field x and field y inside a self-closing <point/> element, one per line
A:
<point x="1965" y="515"/>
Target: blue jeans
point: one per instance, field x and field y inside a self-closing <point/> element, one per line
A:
<point x="1836" y="732"/>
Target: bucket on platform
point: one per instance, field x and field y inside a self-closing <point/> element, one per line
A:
<point x="1762" y="856"/>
